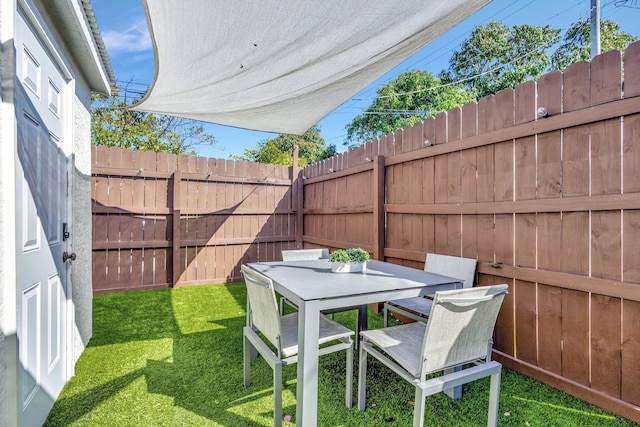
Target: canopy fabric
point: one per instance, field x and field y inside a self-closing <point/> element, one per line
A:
<point x="281" y="66"/>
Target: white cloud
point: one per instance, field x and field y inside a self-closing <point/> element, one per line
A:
<point x="135" y="38"/>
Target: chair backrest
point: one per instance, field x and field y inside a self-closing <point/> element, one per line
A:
<point x="453" y="266"/>
<point x="305" y="254"/>
<point x="263" y="306"/>
<point x="460" y="326"/>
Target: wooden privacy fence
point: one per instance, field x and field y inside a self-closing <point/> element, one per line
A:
<point x="164" y="220"/>
<point x="541" y="184"/>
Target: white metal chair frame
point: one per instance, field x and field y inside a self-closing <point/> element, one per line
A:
<point x="300" y="255"/>
<point x="458" y="334"/>
<point x="418" y="308"/>
<point x="282" y="332"/>
<point x="303" y="255"/>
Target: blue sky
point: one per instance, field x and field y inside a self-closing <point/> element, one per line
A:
<point x="125" y="32"/>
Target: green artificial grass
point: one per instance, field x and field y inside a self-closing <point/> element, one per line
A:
<point x="173" y="357"/>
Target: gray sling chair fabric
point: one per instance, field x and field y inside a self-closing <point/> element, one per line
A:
<point x="418" y="308"/>
<point x="458" y="334"/>
<point x="282" y="333"/>
<point x="303" y="255"/>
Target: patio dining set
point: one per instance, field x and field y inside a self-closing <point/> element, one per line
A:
<point x="451" y="335"/>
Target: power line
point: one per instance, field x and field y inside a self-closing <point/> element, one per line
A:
<point x="457" y="82"/>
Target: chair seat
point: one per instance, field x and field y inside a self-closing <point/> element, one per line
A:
<point x="329" y="331"/>
<point x="418" y="305"/>
<point x="401" y="344"/>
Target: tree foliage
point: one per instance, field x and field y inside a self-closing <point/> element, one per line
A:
<point x="496" y="57"/>
<point x="576" y="43"/>
<point x="410" y="98"/>
<point x="493" y="57"/>
<point x="279" y="150"/>
<point x="114" y="125"/>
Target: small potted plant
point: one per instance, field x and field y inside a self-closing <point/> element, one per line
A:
<point x="353" y="260"/>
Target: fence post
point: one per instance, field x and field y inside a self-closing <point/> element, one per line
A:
<point x="297" y="190"/>
<point x="175" y="212"/>
<point x="378" y="208"/>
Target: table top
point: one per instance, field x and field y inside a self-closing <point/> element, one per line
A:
<point x="313" y="279"/>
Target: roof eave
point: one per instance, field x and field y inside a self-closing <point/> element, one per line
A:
<point x="80" y="31"/>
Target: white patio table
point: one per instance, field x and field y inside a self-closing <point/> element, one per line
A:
<point x="313" y="287"/>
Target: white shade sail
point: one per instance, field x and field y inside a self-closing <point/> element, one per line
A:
<point x="282" y="65"/>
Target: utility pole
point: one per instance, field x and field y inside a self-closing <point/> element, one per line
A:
<point x="595" y="28"/>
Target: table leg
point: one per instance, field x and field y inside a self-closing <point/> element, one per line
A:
<point x="454" y="393"/>
<point x="308" y="337"/>
<point x="363" y="323"/>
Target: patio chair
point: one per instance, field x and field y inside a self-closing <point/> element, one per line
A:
<point x="303" y="255"/>
<point x="282" y="333"/>
<point x="458" y="334"/>
<point x="418" y="308"/>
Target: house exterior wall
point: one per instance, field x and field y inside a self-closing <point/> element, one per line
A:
<point x="81" y="220"/>
<point x="79" y="286"/>
<point x="8" y="348"/>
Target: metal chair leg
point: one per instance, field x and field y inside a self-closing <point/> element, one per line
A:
<point x="418" y="408"/>
<point x="246" y="352"/>
<point x="349" y="378"/>
<point x="362" y="378"/>
<point x="494" y="399"/>
<point x="277" y="395"/>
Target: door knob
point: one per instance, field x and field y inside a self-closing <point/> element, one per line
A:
<point x="66" y="256"/>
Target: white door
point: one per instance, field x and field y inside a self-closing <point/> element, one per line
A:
<point x="41" y="210"/>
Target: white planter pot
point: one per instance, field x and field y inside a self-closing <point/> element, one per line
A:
<point x="348" y="267"/>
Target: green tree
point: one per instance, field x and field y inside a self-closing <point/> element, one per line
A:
<point x="495" y="57"/>
<point x="114" y="125"/>
<point x="410" y="98"/>
<point x="279" y="150"/>
<point x="576" y="43"/>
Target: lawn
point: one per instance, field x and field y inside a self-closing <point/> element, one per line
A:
<point x="173" y="357"/>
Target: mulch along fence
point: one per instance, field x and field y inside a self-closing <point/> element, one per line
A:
<point x="540" y="183"/>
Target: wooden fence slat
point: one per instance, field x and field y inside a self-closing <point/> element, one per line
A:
<point x="454" y="124"/>
<point x="505" y="108"/>
<point x="503" y="175"/>
<point x="441" y="128"/>
<point x="606" y="335"/>
<point x="525" y="168"/>
<point x="630" y="352"/>
<point x="575" y="243"/>
<point x="550" y="94"/>
<point x="504" y="238"/>
<point x="605" y="157"/>
<point x="575" y="161"/>
<point x="632" y="70"/>
<point x="526" y="335"/>
<point x="550" y="326"/>
<point x="549" y="238"/>
<point x="576" y="86"/>
<point x="525" y="102"/>
<point x="606" y="244"/>
<point x="631" y="153"/>
<point x="486" y="114"/>
<point x="631" y="233"/>
<point x="525" y="231"/>
<point x="575" y="336"/>
<point x="606" y="83"/>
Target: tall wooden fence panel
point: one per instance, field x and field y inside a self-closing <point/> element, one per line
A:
<point x="164" y="220"/>
<point x="541" y="184"/>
